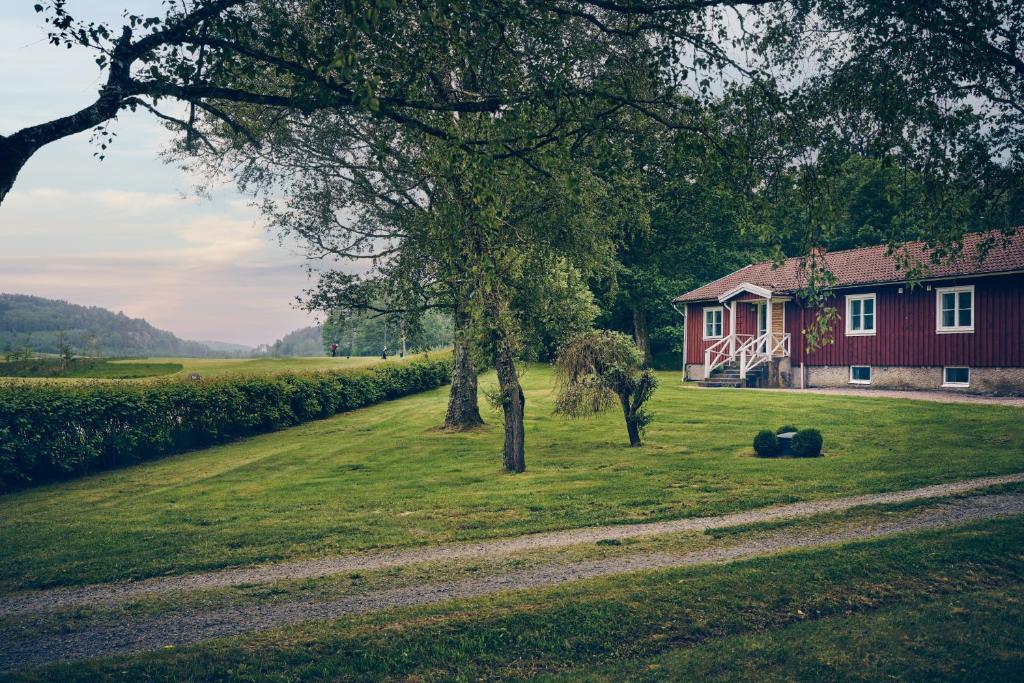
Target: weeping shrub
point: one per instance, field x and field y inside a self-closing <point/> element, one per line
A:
<point x="51" y="431"/>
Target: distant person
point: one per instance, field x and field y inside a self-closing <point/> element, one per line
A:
<point x="334" y="350"/>
<point x="384" y="353"/>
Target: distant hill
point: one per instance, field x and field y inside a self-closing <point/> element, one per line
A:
<point x="37" y="323"/>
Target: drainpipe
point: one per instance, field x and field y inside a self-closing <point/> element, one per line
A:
<point x="682" y="314"/>
<point x="802" y="347"/>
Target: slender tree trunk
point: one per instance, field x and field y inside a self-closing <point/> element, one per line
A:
<point x="463" y="408"/>
<point x="640" y="333"/>
<point x="632" y="428"/>
<point x="513" y="404"/>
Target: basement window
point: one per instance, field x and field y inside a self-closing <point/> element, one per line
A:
<point x="860" y="374"/>
<point x="956" y="377"/>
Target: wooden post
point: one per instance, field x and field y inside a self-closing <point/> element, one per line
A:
<point x="768" y="324"/>
<point x="732" y="330"/>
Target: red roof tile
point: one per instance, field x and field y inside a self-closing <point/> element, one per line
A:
<point x="871" y="265"/>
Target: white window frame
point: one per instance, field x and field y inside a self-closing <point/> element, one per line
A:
<point x="861" y="381"/>
<point x="850" y="298"/>
<point x="956" y="328"/>
<point x="947" y="383"/>
<point x="721" y="322"/>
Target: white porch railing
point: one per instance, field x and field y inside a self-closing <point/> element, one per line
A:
<point x="751" y="351"/>
<point x="722" y="351"/>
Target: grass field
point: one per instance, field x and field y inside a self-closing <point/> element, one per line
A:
<point x="384" y="476"/>
<point x="142" y="368"/>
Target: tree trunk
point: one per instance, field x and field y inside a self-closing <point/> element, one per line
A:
<point x="463" y="408"/>
<point x="513" y="404"/>
<point x="640" y="333"/>
<point x="632" y="428"/>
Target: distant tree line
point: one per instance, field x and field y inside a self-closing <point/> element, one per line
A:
<point x="34" y="324"/>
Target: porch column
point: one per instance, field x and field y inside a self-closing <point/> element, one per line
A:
<point x="732" y="328"/>
<point x="768" y="324"/>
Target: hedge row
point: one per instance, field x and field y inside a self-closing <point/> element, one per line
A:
<point x="51" y="431"/>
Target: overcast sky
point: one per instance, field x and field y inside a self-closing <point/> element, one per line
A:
<point x="128" y="233"/>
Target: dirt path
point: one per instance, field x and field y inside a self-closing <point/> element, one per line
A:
<point x="195" y="626"/>
<point x="117" y="593"/>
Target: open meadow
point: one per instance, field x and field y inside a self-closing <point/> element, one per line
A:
<point x="385" y="476"/>
<point x="181" y="367"/>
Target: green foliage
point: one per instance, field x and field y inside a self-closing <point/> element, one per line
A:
<point x="58" y="431"/>
<point x="785" y="429"/>
<point x="766" y="444"/>
<point x="807" y="443"/>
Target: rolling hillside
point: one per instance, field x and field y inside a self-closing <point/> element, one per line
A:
<point x="37" y="323"/>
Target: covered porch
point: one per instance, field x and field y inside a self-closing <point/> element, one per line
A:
<point x="756" y="333"/>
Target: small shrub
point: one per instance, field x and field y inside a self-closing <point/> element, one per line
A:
<point x="766" y="444"/>
<point x="807" y="443"/>
<point x="785" y="429"/>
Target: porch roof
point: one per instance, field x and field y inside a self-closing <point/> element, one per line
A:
<point x="746" y="288"/>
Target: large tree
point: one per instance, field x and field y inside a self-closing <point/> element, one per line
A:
<point x="402" y="61"/>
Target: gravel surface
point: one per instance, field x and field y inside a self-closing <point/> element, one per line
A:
<point x="118" y="593"/>
<point x="153" y="633"/>
<point x="912" y="394"/>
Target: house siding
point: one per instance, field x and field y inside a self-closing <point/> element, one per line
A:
<point x="905" y="328"/>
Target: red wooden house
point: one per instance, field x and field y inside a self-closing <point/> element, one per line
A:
<point x="959" y="326"/>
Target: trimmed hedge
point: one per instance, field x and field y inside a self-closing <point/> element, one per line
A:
<point x="50" y="431"/>
<point x="807" y="443"/>
<point x="766" y="444"/>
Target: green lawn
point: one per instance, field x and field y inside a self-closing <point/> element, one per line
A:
<point x="942" y="605"/>
<point x="385" y="476"/>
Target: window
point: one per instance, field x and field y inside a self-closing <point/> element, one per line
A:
<point x="713" y="322"/>
<point x="954" y="309"/>
<point x="860" y="314"/>
<point x="956" y="377"/>
<point x="860" y="374"/>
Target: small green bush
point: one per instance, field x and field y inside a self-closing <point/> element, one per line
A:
<point x="50" y="431"/>
<point x="766" y="444"/>
<point x="807" y="443"/>
<point x="784" y="429"/>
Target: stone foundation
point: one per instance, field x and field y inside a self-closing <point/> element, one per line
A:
<point x="983" y="380"/>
